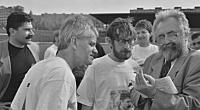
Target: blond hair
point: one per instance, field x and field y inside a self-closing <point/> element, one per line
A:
<point x="172" y="13"/>
<point x="74" y="26"/>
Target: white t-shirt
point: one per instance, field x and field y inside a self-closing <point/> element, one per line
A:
<point x="51" y="51"/>
<point x="104" y="82"/>
<point x="139" y="54"/>
<point x="48" y="85"/>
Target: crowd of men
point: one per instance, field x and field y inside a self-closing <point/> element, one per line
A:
<point x="149" y="67"/>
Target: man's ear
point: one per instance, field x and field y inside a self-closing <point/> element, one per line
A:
<point x="74" y="43"/>
<point x="109" y="41"/>
<point x="12" y="31"/>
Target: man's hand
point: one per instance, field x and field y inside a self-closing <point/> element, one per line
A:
<point x="145" y="84"/>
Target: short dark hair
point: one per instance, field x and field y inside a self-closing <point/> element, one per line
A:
<point x="16" y="19"/>
<point x="144" y="24"/>
<point x="195" y="35"/>
<point x="120" y="27"/>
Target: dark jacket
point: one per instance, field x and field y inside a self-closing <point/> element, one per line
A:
<point x="185" y="75"/>
<point x="5" y="66"/>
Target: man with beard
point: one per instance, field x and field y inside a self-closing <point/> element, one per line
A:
<point x="109" y="73"/>
<point x="175" y="60"/>
<point x="17" y="55"/>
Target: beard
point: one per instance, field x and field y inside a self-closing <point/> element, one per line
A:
<point x="123" y="54"/>
<point x="171" y="51"/>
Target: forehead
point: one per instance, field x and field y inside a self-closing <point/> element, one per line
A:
<point x="89" y="34"/>
<point x="168" y="25"/>
<point x="27" y="25"/>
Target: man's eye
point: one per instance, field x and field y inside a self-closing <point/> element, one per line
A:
<point x="173" y="35"/>
<point x="92" y="44"/>
<point x="144" y="32"/>
<point x="27" y="29"/>
<point x="161" y="36"/>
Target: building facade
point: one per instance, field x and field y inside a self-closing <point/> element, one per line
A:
<point x="193" y="16"/>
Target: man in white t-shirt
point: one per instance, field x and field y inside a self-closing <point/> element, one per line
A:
<point x="52" y="50"/>
<point x="109" y="76"/>
<point x="144" y="48"/>
<point x="50" y="84"/>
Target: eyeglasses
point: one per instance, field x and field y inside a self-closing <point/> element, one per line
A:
<point x="124" y="41"/>
<point x="169" y="35"/>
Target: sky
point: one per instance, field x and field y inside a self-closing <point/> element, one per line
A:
<point x="95" y="6"/>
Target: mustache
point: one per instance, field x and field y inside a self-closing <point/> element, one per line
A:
<point x="126" y="51"/>
<point x="140" y="38"/>
<point x="170" y="45"/>
<point x="29" y="36"/>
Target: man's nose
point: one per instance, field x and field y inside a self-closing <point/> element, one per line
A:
<point x="94" y="50"/>
<point x="32" y="32"/>
<point x="167" y="40"/>
<point x="127" y="46"/>
<point x="139" y="35"/>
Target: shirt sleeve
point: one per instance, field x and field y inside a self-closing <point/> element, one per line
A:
<point x="86" y="90"/>
<point x="57" y="93"/>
